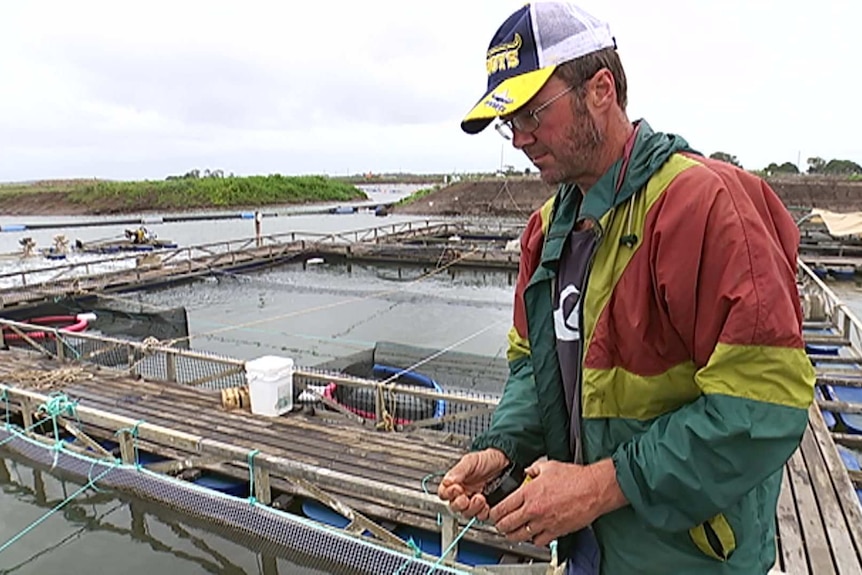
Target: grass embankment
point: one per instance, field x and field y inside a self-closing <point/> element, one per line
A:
<point x="97" y="196"/>
<point x="416" y="196"/>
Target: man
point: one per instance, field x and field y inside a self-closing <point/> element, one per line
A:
<point x="658" y="380"/>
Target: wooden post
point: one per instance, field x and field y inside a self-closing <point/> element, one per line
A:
<point x="171" y="367"/>
<point x="127" y="447"/>
<point x="26" y="413"/>
<point x="378" y="404"/>
<point x="258" y="217"/>
<point x="448" y="532"/>
<point x="268" y="564"/>
<point x="130" y="353"/>
<point x="262" y="489"/>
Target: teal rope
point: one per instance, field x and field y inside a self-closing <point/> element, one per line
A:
<point x="417" y="553"/>
<point x="425" y="489"/>
<point x="251" y="498"/>
<point x="133" y="431"/>
<point x="428" y="478"/>
<point x="58" y="404"/>
<point x="90" y="478"/>
<point x="55" y="509"/>
<point x="16" y="433"/>
<point x="451" y="547"/>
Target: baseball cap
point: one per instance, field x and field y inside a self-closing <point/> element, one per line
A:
<point x="526" y="50"/>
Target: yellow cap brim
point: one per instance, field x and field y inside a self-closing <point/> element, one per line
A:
<point x="506" y="98"/>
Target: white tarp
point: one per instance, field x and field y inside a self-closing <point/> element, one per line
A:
<point x="849" y="224"/>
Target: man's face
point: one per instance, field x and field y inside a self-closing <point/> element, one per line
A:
<point x="566" y="144"/>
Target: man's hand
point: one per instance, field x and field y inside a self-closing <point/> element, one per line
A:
<point x="560" y="498"/>
<point x="462" y="485"/>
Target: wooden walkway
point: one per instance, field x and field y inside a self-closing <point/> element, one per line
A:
<point x="819" y="516"/>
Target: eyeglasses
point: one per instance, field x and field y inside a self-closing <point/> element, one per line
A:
<point x="527" y="122"/>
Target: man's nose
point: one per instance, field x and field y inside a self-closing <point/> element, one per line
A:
<point x="521" y="139"/>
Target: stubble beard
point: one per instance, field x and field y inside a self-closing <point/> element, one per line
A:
<point x="580" y="153"/>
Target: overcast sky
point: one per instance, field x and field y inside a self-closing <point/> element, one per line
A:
<point x="131" y="90"/>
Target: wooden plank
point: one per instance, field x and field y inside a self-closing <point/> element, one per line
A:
<point x="342" y="447"/>
<point x="810" y="325"/>
<point x="293" y="432"/>
<point x="336" y="456"/>
<point x="205" y="445"/>
<point x="84" y="439"/>
<point x="290" y="468"/>
<point x="840" y="543"/>
<point x="262" y="486"/>
<point x="826" y="359"/>
<point x="183" y="402"/>
<point x="822" y="339"/>
<point x="816" y="544"/>
<point x="839" y="378"/>
<point x="839" y="406"/>
<point x="791" y="546"/>
<point x="851" y="520"/>
<point x="371" y="506"/>
<point x="127" y="448"/>
<point x="847" y="439"/>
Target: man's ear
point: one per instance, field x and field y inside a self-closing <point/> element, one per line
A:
<point x="601" y="90"/>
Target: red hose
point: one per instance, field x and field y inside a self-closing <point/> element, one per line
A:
<point x="75" y="324"/>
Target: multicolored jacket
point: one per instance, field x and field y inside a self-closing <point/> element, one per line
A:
<point x="694" y="375"/>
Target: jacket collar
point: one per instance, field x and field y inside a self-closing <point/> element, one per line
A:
<point x="644" y="156"/>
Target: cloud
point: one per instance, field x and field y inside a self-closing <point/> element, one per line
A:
<point x="144" y="90"/>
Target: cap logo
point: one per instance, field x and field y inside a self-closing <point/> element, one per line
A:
<point x="499" y="101"/>
<point x="504" y="56"/>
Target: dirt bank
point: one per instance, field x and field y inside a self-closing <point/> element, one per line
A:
<point x="513" y="197"/>
<point x="517" y="197"/>
<point x="502" y="197"/>
<point x="43" y="203"/>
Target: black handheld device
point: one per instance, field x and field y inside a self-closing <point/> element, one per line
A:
<point x="504" y="484"/>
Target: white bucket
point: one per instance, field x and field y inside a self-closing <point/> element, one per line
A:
<point x="270" y="384"/>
